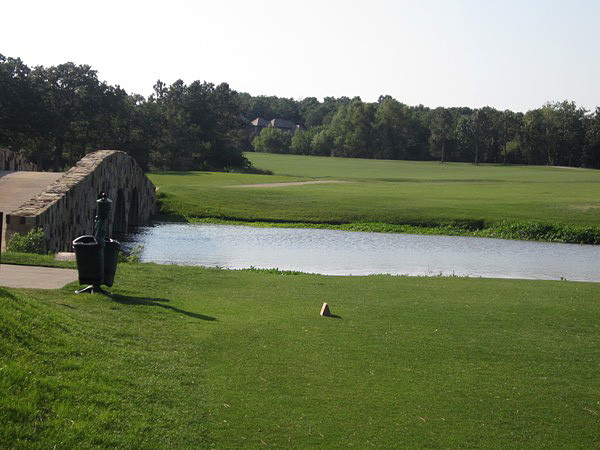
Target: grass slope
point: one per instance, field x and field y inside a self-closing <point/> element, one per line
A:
<point x="190" y="357"/>
<point x="391" y="192"/>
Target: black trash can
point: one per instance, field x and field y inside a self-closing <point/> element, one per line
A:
<point x="90" y="260"/>
<point x="111" y="258"/>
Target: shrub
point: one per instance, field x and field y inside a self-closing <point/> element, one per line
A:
<point x="302" y="143"/>
<point x="532" y="231"/>
<point x="272" y="140"/>
<point x="32" y="242"/>
<point x="132" y="254"/>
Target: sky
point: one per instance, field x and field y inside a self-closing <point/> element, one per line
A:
<point x="506" y="54"/>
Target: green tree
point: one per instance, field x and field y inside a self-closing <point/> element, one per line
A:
<point x="391" y="129"/>
<point x="272" y="140"/>
<point x="533" y="137"/>
<point x="509" y="125"/>
<point x="465" y="138"/>
<point x="302" y="142"/>
<point x="72" y="94"/>
<point x="322" y="143"/>
<point x="20" y="105"/>
<point x="554" y="134"/>
<point x="418" y="142"/>
<point x="477" y="136"/>
<point x="570" y="132"/>
<point x="312" y="112"/>
<point x="442" y="126"/>
<point x="195" y="127"/>
<point x="352" y="130"/>
<point x="269" y="107"/>
<point x="591" y="151"/>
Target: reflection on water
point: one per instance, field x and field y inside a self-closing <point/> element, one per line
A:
<point x="332" y="252"/>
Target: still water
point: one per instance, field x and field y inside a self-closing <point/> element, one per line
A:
<point x="332" y="252"/>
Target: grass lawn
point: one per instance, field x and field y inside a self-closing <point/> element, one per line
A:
<point x="185" y="357"/>
<point x="390" y="192"/>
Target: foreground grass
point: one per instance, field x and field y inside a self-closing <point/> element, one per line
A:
<point x="190" y="357"/>
<point x="449" y="196"/>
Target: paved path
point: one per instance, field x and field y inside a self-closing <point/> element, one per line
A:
<point x="35" y="277"/>
<point x="18" y="187"/>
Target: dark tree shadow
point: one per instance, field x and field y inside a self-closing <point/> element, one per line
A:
<point x="148" y="301"/>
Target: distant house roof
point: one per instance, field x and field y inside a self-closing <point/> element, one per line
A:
<point x="283" y="124"/>
<point x="260" y="122"/>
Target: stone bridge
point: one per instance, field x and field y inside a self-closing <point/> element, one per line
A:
<point x="65" y="209"/>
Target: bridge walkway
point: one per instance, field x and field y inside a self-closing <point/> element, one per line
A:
<point x="18" y="187"/>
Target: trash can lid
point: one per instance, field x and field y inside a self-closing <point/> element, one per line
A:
<point x="86" y="239"/>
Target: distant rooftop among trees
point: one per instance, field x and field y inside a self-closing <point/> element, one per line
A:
<point x="258" y="124"/>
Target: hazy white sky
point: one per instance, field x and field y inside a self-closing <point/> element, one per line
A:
<point x="502" y="53"/>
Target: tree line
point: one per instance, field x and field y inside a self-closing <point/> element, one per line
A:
<point x="55" y="115"/>
<point x="557" y="133"/>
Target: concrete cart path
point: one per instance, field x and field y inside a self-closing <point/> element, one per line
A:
<point x="35" y="277"/>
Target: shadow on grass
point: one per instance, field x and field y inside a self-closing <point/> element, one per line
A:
<point x="148" y="301"/>
<point x="333" y="316"/>
<point x="5" y="294"/>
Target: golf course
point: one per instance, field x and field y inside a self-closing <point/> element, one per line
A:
<point x="516" y="202"/>
<point x="191" y="357"/>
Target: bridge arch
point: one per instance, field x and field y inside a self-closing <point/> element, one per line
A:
<point x="132" y="219"/>
<point x="119" y="219"/>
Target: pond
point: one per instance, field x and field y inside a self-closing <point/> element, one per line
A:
<point x="332" y="252"/>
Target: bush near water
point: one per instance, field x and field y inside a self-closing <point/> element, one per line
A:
<point x="32" y="242"/>
<point x="571" y="234"/>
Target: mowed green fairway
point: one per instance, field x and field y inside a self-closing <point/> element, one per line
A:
<point x="185" y="357"/>
<point x="395" y="192"/>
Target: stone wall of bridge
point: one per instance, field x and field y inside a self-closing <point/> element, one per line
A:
<point x="12" y="161"/>
<point x="66" y="209"/>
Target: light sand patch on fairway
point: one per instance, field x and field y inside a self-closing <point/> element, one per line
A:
<point x="572" y="168"/>
<point x="290" y="183"/>
<point x="584" y="207"/>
